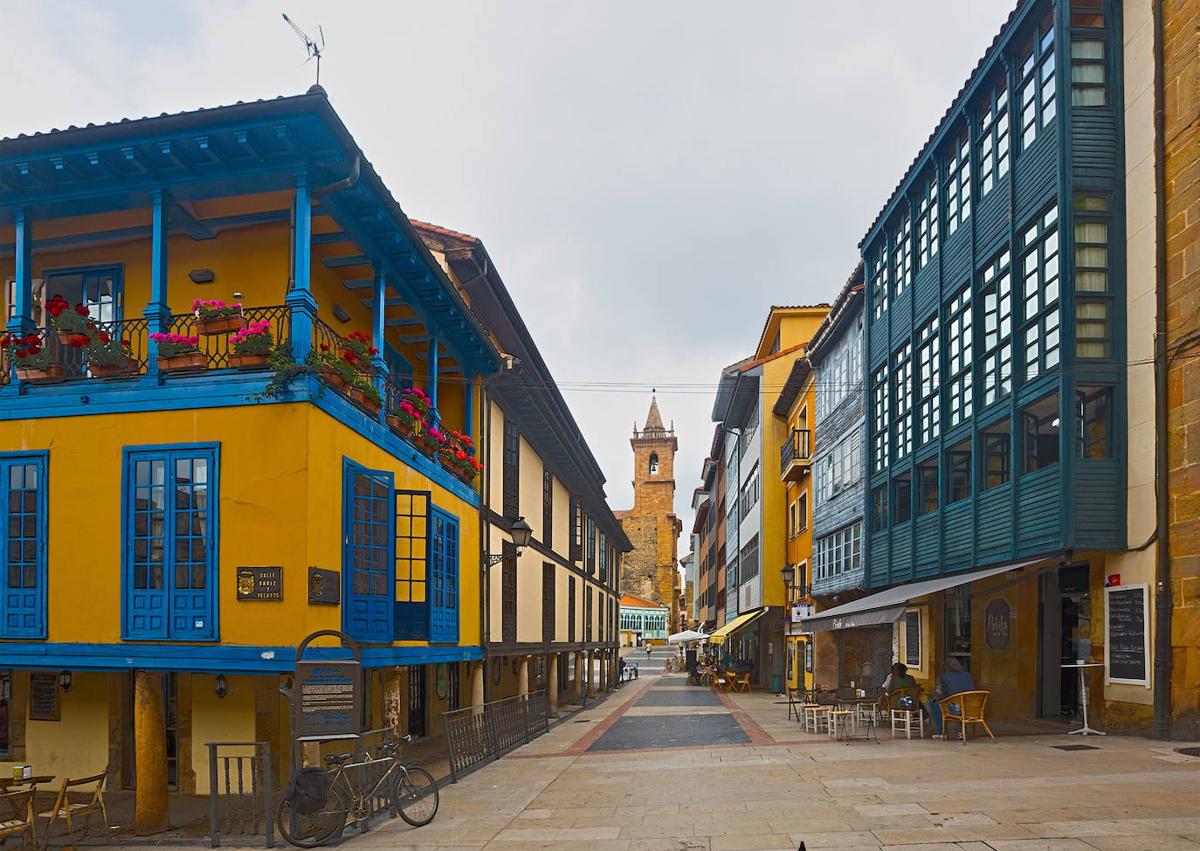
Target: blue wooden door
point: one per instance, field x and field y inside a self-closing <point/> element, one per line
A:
<point x="368" y="554"/>
<point x="23" y="517"/>
<point x="170" y="544"/>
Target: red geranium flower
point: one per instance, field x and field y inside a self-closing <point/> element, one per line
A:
<point x="103" y="337"/>
<point x="81" y="309"/>
<point x="325" y="347"/>
<point x="78" y="341"/>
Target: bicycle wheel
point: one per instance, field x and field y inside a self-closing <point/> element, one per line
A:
<point x="307" y="830"/>
<point x="415" y="795"/>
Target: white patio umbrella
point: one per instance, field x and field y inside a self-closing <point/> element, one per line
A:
<point x="686" y="636"/>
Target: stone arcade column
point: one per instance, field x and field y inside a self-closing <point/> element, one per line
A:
<point x="477" y="674"/>
<point x="579" y="690"/>
<point x="552" y="683"/>
<point x="590" y="685"/>
<point x="150" y="748"/>
<point x="393" y="699"/>
<point x="523" y="675"/>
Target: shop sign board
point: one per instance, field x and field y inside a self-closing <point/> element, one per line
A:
<point x="998" y="624"/>
<point x="328" y="697"/>
<point x="1126" y="639"/>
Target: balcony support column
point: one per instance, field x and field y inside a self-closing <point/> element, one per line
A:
<point x="379" y="367"/>
<point x="469" y="405"/>
<point x="21" y="321"/>
<point x="300" y="298"/>
<point x="432" y="381"/>
<point x="157" y="312"/>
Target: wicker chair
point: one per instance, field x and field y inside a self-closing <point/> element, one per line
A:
<point x="904" y="718"/>
<point x="966" y="707"/>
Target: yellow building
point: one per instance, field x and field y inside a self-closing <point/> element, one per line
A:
<point x="550" y="611"/>
<point x="757" y="502"/>
<point x="796" y="408"/>
<point x="179" y="514"/>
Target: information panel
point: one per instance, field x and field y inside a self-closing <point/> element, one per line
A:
<point x="1126" y="638"/>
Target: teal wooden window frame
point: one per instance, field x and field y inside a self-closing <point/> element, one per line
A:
<point x="996" y="443"/>
<point x="996" y="306"/>
<point x="368" y="553"/>
<point x="995" y="138"/>
<point x="929" y="387"/>
<point x="959" y="363"/>
<point x="1040" y="290"/>
<point x="1041" y="427"/>
<point x="443" y="576"/>
<point x="591" y="546"/>
<point x="602" y="547"/>
<point x="958" y="472"/>
<point x="880" y="285"/>
<point x="957" y="195"/>
<point x="1089" y="70"/>
<point x="23" y="515"/>
<point x="171" y="596"/>
<point x="114" y="271"/>
<point x="1094" y="423"/>
<point x="928" y="490"/>
<point x="902" y="255"/>
<point x="880" y="418"/>
<point x="902" y="498"/>
<point x="927" y="222"/>
<point x="1036" y="93"/>
<point x="1092" y="229"/>
<point x="879" y="509"/>
<point x="902" y="401"/>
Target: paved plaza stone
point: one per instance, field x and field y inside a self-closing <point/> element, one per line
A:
<point x="671" y="731"/>
<point x="781" y="787"/>
<point x="680" y="697"/>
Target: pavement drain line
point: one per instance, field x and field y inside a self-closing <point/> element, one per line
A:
<point x="1188" y="751"/>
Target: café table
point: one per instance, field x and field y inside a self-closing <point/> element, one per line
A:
<point x="1082" y="667"/>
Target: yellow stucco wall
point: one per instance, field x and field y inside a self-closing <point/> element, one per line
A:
<point x="75" y="745"/>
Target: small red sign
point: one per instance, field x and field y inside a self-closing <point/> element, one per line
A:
<point x="1112" y="580"/>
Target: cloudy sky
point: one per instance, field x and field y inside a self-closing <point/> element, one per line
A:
<point x="649" y="177"/>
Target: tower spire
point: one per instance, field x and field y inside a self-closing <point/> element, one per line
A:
<point x="654" y="420"/>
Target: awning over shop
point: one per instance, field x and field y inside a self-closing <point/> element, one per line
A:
<point x="685" y="636"/>
<point x="888" y="606"/>
<point x="734" y="625"/>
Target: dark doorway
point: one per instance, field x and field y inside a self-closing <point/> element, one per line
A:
<point x="1065" y="614"/>
<point x="416" y="700"/>
<point x="864" y="656"/>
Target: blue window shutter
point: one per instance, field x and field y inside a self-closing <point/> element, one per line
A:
<point x="443" y="592"/>
<point x="23" y="519"/>
<point x="412" y="566"/>
<point x="170" y="528"/>
<point x="368" y="554"/>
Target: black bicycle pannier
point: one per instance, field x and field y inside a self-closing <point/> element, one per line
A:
<point x="307" y="790"/>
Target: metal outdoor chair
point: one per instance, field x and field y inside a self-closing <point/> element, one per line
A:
<point x="86" y="804"/>
<point x="904" y="718"/>
<point x="16" y="817"/>
<point x="966" y="707"/>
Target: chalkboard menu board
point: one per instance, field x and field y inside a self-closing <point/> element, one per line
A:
<point x="1126" y="640"/>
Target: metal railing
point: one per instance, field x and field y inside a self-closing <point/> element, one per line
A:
<point x="477" y="734"/>
<point x="797" y="447"/>
<point x="216" y="347"/>
<point x="240" y="791"/>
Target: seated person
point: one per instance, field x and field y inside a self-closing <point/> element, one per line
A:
<point x="898" y="678"/>
<point x="953" y="680"/>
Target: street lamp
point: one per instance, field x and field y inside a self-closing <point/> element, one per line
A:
<point x="521" y="533"/>
<point x="789" y="578"/>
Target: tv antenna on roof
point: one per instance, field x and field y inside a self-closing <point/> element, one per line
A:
<point x="310" y="44"/>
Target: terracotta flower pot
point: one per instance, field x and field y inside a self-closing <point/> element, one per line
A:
<point x="128" y="369"/>
<point x="184" y="362"/>
<point x="361" y="399"/>
<point x="248" y="361"/>
<point x="220" y="325"/>
<point x="334" y="380"/>
<point x="48" y="374"/>
<point x="64" y="336"/>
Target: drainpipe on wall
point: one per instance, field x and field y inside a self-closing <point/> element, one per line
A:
<point x="1162" y="572"/>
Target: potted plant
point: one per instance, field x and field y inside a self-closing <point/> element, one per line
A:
<point x="214" y="316"/>
<point x="338" y="370"/>
<point x="363" y="392"/>
<point x="430" y="441"/>
<point x="179" y="353"/>
<point x="252" y="346"/>
<point x="110" y="358"/>
<point x="456" y="456"/>
<point x="69" y="322"/>
<point x="408" y="419"/>
<point x="32" y="359"/>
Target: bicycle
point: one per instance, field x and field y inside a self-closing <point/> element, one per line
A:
<point x="410" y="791"/>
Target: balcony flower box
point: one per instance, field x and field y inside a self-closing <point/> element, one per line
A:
<point x="252" y="346"/>
<point x="51" y="373"/>
<point x="214" y="317"/>
<point x="456" y="455"/>
<point x="72" y="325"/>
<point x="31" y="358"/>
<point x="179" y="353"/>
<point x="109" y="358"/>
<point x="364" y="399"/>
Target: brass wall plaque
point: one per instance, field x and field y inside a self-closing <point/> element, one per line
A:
<point x="324" y="586"/>
<point x="260" y="583"/>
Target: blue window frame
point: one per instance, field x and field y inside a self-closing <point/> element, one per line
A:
<point x="368" y="553"/>
<point x="97" y="287"/>
<point x="23" y="514"/>
<point x="412" y="566"/>
<point x="169" y="542"/>
<point x="443" y="609"/>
